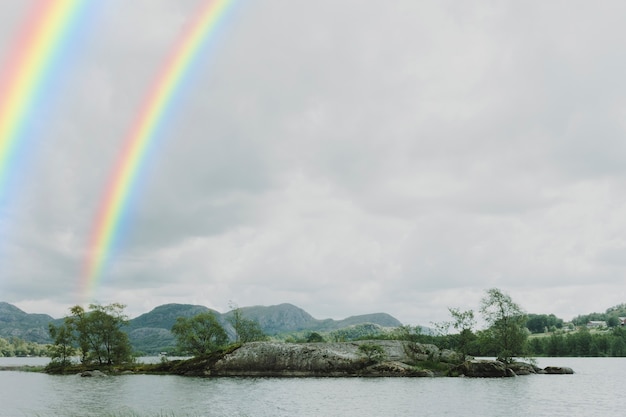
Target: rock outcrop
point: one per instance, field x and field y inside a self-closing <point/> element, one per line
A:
<point x="496" y="369"/>
<point x="397" y="358"/>
<point x="360" y="358"/>
<point x="558" y="370"/>
<point x="95" y="373"/>
<point x="483" y="369"/>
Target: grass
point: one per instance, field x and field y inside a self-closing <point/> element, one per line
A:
<point x="439" y="368"/>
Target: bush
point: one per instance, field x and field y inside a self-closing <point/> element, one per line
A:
<point x="373" y="353"/>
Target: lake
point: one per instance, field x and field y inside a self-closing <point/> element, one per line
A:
<point x="596" y="389"/>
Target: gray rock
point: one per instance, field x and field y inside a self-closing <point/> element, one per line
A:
<point x="322" y="359"/>
<point x="287" y="359"/>
<point x="421" y="352"/>
<point x="483" y="369"/>
<point x="393" y="368"/>
<point x="94" y="373"/>
<point x="558" y="370"/>
<point x="522" y="368"/>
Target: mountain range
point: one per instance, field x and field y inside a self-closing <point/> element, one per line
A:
<point x="150" y="332"/>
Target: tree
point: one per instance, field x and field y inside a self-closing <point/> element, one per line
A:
<point x="507" y="333"/>
<point x="200" y="334"/>
<point x="540" y="323"/>
<point x="463" y="322"/>
<point x="61" y="350"/>
<point x="315" y="337"/>
<point x="246" y="330"/>
<point x="612" y="321"/>
<point x="99" y="335"/>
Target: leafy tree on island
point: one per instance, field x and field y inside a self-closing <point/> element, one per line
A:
<point x="200" y="334"/>
<point x="507" y="332"/>
<point x="462" y="322"/>
<point x="246" y="330"/>
<point x="62" y="349"/>
<point x="98" y="334"/>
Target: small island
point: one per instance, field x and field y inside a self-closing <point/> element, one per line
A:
<point x="93" y="342"/>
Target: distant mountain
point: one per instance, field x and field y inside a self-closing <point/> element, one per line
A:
<point x="164" y="316"/>
<point x="17" y="323"/>
<point x="276" y="319"/>
<point x="285" y="318"/>
<point x="150" y="332"/>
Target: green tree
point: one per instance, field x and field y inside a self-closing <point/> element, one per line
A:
<point x="612" y="321"/>
<point x="463" y="322"/>
<point x="315" y="337"/>
<point x="200" y="334"/>
<point x="539" y="323"/>
<point x="61" y="349"/>
<point x="246" y="330"/>
<point x="99" y="335"/>
<point x="507" y="332"/>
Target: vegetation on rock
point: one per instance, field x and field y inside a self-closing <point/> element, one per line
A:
<point x="199" y="335"/>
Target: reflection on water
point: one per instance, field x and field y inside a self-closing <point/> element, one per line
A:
<point x="35" y="394"/>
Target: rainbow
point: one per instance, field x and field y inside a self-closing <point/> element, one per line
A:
<point x="141" y="136"/>
<point x="28" y="73"/>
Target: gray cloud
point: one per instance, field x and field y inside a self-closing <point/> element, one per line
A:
<point x="347" y="157"/>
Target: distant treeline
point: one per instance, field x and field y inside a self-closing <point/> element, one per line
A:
<point x="18" y="347"/>
<point x="611" y="316"/>
<point x="580" y="343"/>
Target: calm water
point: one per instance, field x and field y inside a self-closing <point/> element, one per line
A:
<point x="596" y="389"/>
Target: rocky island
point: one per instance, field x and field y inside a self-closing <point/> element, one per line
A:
<point x="373" y="358"/>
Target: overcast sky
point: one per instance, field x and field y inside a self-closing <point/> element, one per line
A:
<point x="346" y="156"/>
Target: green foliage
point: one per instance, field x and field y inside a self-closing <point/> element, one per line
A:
<point x="356" y="332"/>
<point x="61" y="350"/>
<point x="462" y="322"/>
<point x="540" y="323"/>
<point x="612" y="321"/>
<point x="373" y="353"/>
<point x="507" y="332"/>
<point x="97" y="333"/>
<point x="29" y="327"/>
<point x="199" y="335"/>
<point x="611" y="316"/>
<point x="246" y="330"/>
<point x="315" y="337"/>
<point x="14" y="346"/>
<point x="580" y="343"/>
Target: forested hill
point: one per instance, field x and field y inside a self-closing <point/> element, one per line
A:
<point x="284" y="318"/>
<point x="17" y="323"/>
<point x="152" y="330"/>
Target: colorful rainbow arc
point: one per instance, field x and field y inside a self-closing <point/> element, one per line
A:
<point x="124" y="177"/>
<point x="27" y="74"/>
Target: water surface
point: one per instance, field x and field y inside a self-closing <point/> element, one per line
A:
<point x="595" y="389"/>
